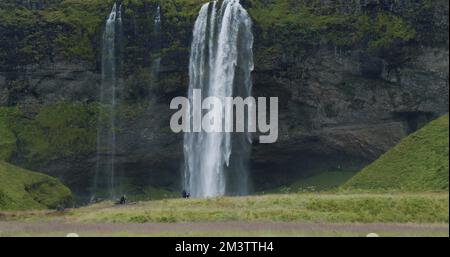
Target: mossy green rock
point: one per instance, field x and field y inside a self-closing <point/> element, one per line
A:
<point x="56" y="131"/>
<point x="417" y="163"/>
<point x="7" y="139"/>
<point x="353" y="78"/>
<point x="25" y="190"/>
<point x="71" y="30"/>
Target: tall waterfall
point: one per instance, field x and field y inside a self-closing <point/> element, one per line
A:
<point x="104" y="183"/>
<point x="221" y="63"/>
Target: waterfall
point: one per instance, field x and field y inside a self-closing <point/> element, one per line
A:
<point x="221" y="63"/>
<point x="157" y="42"/>
<point x="104" y="183"/>
<point x="157" y="22"/>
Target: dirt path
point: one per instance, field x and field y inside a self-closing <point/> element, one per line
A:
<point x="220" y="229"/>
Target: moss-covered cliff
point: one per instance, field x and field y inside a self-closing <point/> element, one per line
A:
<point x="42" y="31"/>
<point x="353" y="78"/>
<point x="56" y="131"/>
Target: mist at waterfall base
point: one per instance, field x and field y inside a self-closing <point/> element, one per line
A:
<point x="221" y="63"/>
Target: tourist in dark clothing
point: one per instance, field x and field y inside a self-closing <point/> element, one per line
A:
<point x="123" y="200"/>
<point x="185" y="195"/>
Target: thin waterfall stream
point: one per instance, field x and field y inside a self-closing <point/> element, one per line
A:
<point x="104" y="182"/>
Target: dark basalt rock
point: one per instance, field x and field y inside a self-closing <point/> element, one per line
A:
<point x="340" y="108"/>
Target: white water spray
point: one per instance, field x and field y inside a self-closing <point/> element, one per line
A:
<point x="221" y="63"/>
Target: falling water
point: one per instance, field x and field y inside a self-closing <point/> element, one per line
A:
<point x="106" y="135"/>
<point x="157" y="22"/>
<point x="221" y="63"/>
<point x="157" y="41"/>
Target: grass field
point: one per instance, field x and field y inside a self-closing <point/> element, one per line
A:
<point x="331" y="208"/>
<point x="404" y="193"/>
<point x="276" y="215"/>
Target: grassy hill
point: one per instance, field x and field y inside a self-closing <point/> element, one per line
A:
<point x="24" y="190"/>
<point x="322" y="182"/>
<point x="417" y="163"/>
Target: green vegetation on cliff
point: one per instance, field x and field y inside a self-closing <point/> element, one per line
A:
<point x="337" y="22"/>
<point x="67" y="29"/>
<point x="25" y="190"/>
<point x="388" y="30"/>
<point x="56" y="131"/>
<point x="7" y="138"/>
<point x="72" y="29"/>
<point x="286" y="32"/>
<point x="418" y="163"/>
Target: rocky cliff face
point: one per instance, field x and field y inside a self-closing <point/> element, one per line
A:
<point x="353" y="78"/>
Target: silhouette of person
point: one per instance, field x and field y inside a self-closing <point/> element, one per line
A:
<point x="185" y="194"/>
<point x="123" y="200"/>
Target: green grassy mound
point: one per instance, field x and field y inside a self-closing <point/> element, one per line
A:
<point x="419" y="163"/>
<point x="25" y="190"/>
<point x="324" y="181"/>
